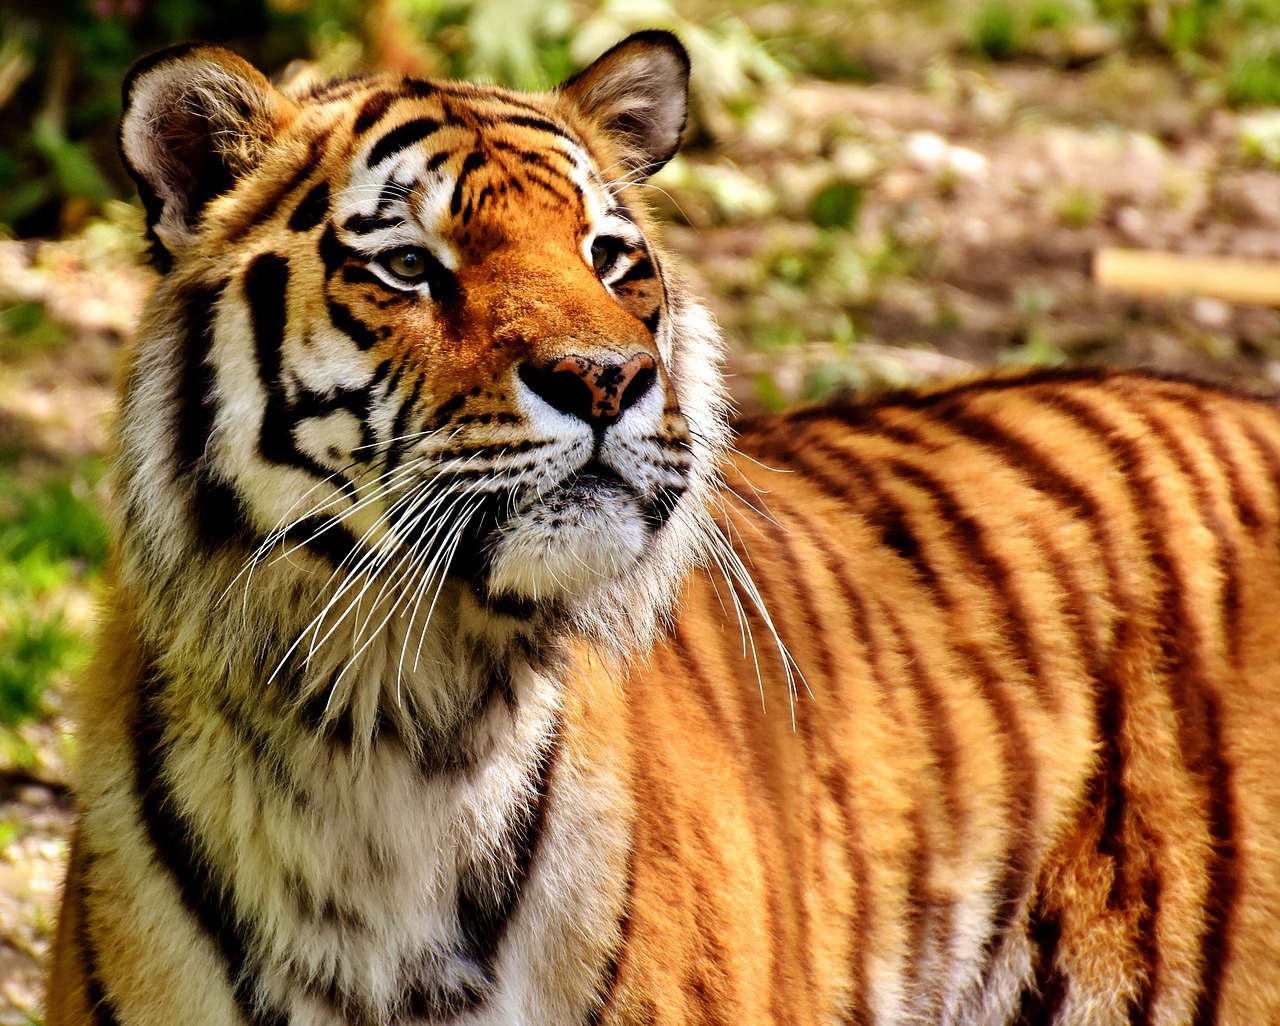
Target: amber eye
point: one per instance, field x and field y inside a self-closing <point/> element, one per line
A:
<point x="410" y="263"/>
<point x="605" y="250"/>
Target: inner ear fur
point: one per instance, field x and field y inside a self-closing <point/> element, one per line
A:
<point x="196" y="119"/>
<point x="638" y="93"/>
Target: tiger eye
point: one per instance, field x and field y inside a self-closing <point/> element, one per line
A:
<point x="604" y="251"/>
<point x="409" y="263"/>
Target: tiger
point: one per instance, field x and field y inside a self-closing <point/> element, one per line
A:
<point x="466" y="662"/>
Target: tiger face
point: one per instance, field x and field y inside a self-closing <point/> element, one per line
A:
<point x="423" y="333"/>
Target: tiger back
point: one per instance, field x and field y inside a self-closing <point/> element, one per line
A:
<point x="456" y="671"/>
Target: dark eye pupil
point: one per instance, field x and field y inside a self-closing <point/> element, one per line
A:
<point x="408" y="263"/>
<point x="603" y="253"/>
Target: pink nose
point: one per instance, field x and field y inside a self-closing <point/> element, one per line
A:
<point x="598" y="393"/>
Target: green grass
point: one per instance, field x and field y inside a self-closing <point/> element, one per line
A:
<point x="53" y="543"/>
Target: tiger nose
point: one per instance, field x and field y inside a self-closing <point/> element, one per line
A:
<point x="598" y="393"/>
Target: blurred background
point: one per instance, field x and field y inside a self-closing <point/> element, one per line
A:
<point x="872" y="194"/>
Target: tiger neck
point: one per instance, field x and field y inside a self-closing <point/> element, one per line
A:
<point x="348" y="678"/>
<point x="369" y="800"/>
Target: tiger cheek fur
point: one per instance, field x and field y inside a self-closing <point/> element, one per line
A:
<point x="431" y="686"/>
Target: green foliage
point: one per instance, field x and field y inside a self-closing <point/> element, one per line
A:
<point x="995" y="31"/>
<point x="1053" y="14"/>
<point x="24" y="328"/>
<point x="836" y="205"/>
<point x="60" y="75"/>
<point x="1253" y="74"/>
<point x="1079" y="206"/>
<point x="51" y="538"/>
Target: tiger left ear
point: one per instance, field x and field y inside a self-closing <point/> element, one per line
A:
<point x="638" y="93"/>
<point x="196" y="119"/>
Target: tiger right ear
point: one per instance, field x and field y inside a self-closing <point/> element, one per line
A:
<point x="196" y="118"/>
<point x="638" y="92"/>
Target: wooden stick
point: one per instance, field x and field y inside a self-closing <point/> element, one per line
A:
<point x="1169" y="274"/>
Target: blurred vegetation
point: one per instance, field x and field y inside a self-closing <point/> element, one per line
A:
<point x="53" y="545"/>
<point x="61" y="65"/>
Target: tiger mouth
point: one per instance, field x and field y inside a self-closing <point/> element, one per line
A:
<point x="590" y="482"/>
<point x="587" y="509"/>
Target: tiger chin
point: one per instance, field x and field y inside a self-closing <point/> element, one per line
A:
<point x="456" y="670"/>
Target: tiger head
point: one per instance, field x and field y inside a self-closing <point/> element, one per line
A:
<point x="416" y="334"/>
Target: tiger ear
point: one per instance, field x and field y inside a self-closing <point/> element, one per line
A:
<point x="638" y="93"/>
<point x="196" y="118"/>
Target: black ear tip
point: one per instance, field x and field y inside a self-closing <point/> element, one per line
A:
<point x="152" y="60"/>
<point x="649" y="39"/>
<point x="660" y="38"/>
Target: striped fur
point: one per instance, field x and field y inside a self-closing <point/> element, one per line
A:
<point x="442" y="679"/>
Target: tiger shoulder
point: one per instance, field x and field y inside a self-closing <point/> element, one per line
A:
<point x="458" y="669"/>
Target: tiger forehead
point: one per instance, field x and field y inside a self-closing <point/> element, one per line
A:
<point x="452" y="155"/>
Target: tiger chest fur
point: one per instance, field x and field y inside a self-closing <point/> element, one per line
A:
<point x="431" y="686"/>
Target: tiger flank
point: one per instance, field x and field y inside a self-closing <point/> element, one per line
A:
<point x="458" y="671"/>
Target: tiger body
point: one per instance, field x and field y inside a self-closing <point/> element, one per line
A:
<point x="440" y="684"/>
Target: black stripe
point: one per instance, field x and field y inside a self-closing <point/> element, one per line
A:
<point x="333" y="254"/>
<point x="324" y="536"/>
<point x="364" y="224"/>
<point x="359" y="274"/>
<point x="266" y="287"/>
<point x="266" y="210"/>
<point x="535" y="158"/>
<point x="402" y="137"/>
<point x="1224" y="457"/>
<point x="1224" y="883"/>
<point x="642" y="268"/>
<point x="1265" y="451"/>
<point x="538" y="125"/>
<point x="943" y="743"/>
<point x="976" y="543"/>
<point x="219" y="514"/>
<point x="475" y="160"/>
<point x="345" y="321"/>
<point x="101" y="1007"/>
<point x="196" y="404"/>
<point x="1043" y="999"/>
<point x="1228" y="557"/>
<point x="1041" y="475"/>
<point x="372" y="110"/>
<point x="217" y="511"/>
<point x="339" y="88"/>
<point x="311" y="210"/>
<point x="177" y="853"/>
<point x="856" y="485"/>
<point x="399" y="443"/>
<point x="488" y="895"/>
<point x="418" y="88"/>
<point x="834" y="780"/>
<point x="393" y="192"/>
